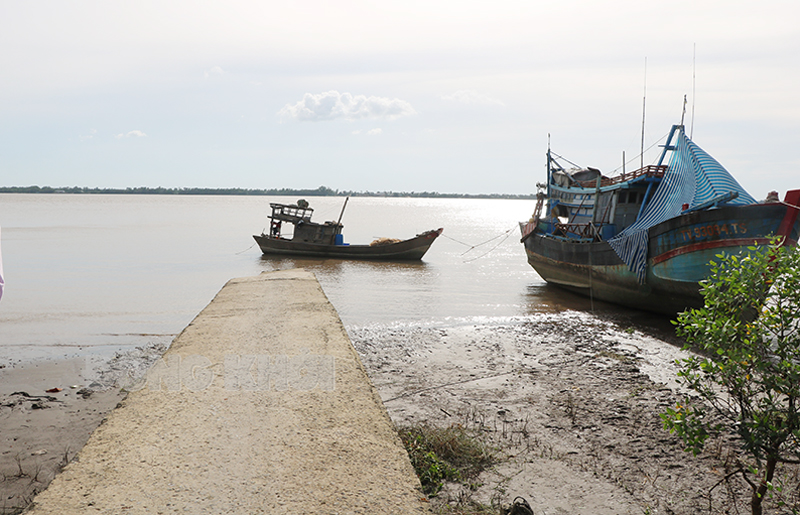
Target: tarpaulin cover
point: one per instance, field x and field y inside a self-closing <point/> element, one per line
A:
<point x="693" y="177"/>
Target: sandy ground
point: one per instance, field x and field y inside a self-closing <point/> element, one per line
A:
<point x="571" y="400"/>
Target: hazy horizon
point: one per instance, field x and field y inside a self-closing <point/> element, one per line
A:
<point x="321" y="191"/>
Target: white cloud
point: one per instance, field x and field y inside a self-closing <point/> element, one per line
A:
<point x="92" y="132"/>
<point x="216" y="70"/>
<point x="372" y="132"/>
<point x="136" y="134"/>
<point x="470" y="96"/>
<point x="333" y="105"/>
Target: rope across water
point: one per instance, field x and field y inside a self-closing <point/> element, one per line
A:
<point x="504" y="235"/>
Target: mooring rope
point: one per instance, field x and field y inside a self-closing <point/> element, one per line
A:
<point x="472" y="247"/>
<point x="461" y="242"/>
<point x="506" y="234"/>
<point x="415" y="392"/>
<point x="245" y="250"/>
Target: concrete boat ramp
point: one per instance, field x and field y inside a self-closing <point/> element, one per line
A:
<point x="261" y="405"/>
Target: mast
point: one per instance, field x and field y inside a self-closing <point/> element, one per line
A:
<point x="339" y="222"/>
<point x="623" y="163"/>
<point x="337" y="229"/>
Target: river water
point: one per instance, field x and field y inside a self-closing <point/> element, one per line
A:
<point x="96" y="274"/>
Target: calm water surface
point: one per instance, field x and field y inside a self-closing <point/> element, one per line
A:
<point x="99" y="273"/>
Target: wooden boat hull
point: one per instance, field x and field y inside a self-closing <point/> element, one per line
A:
<point x="679" y="251"/>
<point x="406" y="250"/>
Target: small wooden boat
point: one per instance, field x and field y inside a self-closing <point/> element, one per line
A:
<point x="325" y="240"/>
<point x="644" y="239"/>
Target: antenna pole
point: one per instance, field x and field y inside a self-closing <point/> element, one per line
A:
<point x="683" y="113"/>
<point x="644" y="103"/>
<point x="694" y="75"/>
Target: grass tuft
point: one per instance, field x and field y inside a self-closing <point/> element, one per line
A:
<point x="445" y="454"/>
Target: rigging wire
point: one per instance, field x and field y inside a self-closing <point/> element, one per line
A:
<point x="629" y="161"/>
<point x="659" y="140"/>
<point x="565" y="159"/>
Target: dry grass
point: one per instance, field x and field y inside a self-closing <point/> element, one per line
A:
<point x="445" y="454"/>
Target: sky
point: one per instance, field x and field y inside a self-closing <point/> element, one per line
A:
<point x="450" y="96"/>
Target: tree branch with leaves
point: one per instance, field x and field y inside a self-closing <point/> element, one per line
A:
<point x="746" y="378"/>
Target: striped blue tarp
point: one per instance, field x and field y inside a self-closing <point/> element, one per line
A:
<point x="693" y="177"/>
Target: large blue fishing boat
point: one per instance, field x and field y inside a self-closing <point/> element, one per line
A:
<point x="644" y="238"/>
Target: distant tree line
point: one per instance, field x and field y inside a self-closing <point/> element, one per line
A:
<point x="322" y="191"/>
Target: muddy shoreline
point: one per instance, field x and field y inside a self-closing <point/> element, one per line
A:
<point x="572" y="403"/>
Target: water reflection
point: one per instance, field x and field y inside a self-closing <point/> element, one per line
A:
<point x="274" y="263"/>
<point x="371" y="291"/>
<point x="333" y="267"/>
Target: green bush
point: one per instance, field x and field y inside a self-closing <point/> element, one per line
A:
<point x="747" y="378"/>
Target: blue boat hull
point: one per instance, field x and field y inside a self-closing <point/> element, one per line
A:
<point x="679" y="251"/>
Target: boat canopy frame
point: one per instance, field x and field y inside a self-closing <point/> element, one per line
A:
<point x="291" y="213"/>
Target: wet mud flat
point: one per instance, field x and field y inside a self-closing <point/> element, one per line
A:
<point x="572" y="403"/>
<point x="48" y="410"/>
<point x="41" y="434"/>
<point x="570" y="400"/>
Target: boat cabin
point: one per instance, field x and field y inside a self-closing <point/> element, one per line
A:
<point x="584" y="204"/>
<point x="299" y="215"/>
